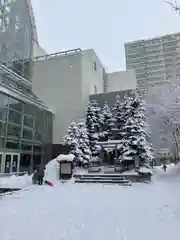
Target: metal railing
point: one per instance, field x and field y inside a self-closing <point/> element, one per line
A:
<point x="58" y="54"/>
<point x="25" y="97"/>
<point x="14" y="75"/>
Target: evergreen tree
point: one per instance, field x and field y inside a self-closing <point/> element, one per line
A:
<point x="108" y="123"/>
<point x="135" y="133"/>
<point x="98" y="118"/>
<point x="92" y="127"/>
<point x="85" y="153"/>
<point x="118" y="118"/>
<point x="71" y="139"/>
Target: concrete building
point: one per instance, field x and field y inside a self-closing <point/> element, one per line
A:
<point x="121" y="81"/>
<point x="38" y="50"/>
<point x="25" y="121"/>
<point x="154" y="60"/>
<point x="65" y="80"/>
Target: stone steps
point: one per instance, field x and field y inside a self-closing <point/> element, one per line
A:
<point x="77" y="175"/>
<point x="101" y="178"/>
<point x="109" y="181"/>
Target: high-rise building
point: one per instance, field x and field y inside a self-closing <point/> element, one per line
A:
<point x="154" y="60"/>
<point x="25" y="121"/>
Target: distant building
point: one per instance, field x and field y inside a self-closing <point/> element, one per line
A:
<point x="154" y="60"/>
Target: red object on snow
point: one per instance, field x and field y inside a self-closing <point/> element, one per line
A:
<point x="48" y="183"/>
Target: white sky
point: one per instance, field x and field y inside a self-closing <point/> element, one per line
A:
<point x="102" y="25"/>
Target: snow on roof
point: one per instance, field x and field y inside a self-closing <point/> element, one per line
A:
<point x="65" y="157"/>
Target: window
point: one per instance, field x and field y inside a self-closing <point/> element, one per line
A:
<point x="15" y="104"/>
<point x="26" y="146"/>
<point x="37" y="148"/>
<point x="3" y="114"/>
<point x="13" y="131"/>
<point x="12" y="144"/>
<point x="28" y="121"/>
<point x="2" y="129"/>
<point x="95" y="89"/>
<point x="95" y="66"/>
<point x="30" y="109"/>
<point x="3" y="100"/>
<point x="15" y="117"/>
<point x="27" y="134"/>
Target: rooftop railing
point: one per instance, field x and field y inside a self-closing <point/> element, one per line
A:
<point x="58" y="54"/>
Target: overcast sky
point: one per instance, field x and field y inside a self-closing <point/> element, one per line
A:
<point x="101" y="24"/>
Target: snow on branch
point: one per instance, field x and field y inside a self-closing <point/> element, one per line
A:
<point x="164" y="101"/>
<point x="175" y="6"/>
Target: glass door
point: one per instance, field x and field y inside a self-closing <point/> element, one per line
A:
<point x="10" y="162"/>
<point x="7" y="163"/>
<point x="15" y="163"/>
<point x="1" y="162"/>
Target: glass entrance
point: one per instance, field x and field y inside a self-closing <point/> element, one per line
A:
<point x="9" y="162"/>
<point x="1" y="161"/>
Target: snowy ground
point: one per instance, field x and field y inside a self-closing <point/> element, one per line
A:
<point x="95" y="211"/>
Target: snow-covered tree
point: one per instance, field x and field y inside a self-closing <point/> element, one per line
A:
<point x="118" y="118"/>
<point x="93" y="127"/>
<point x="135" y="133"/>
<point x="72" y="137"/>
<point x="85" y="153"/>
<point x="98" y="119"/>
<point x="107" y="123"/>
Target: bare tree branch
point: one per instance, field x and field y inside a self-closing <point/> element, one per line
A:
<point x="174" y="6"/>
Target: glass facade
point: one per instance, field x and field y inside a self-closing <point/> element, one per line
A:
<point x="25" y="129"/>
<point x="16" y="35"/>
<point x="25" y="122"/>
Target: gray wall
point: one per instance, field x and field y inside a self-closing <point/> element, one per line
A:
<point x="64" y="83"/>
<point x="57" y="82"/>
<point x="110" y="97"/>
<point x="158" y="128"/>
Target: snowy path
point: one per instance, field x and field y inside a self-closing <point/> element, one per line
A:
<point x="93" y="212"/>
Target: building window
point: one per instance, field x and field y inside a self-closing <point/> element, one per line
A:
<point x="14" y="131"/>
<point x="95" y="89"/>
<point x="95" y="66"/>
<point x="15" y="117"/>
<point x="27" y="134"/>
<point x="28" y="121"/>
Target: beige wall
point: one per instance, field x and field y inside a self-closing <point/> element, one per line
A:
<point x="92" y="79"/>
<point x="122" y="80"/>
<point x="38" y="50"/>
<point x="57" y="82"/>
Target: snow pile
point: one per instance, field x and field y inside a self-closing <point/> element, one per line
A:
<point x="52" y="170"/>
<point x="16" y="181"/>
<point x="65" y="157"/>
<point x="145" y="170"/>
<point x="173" y="170"/>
